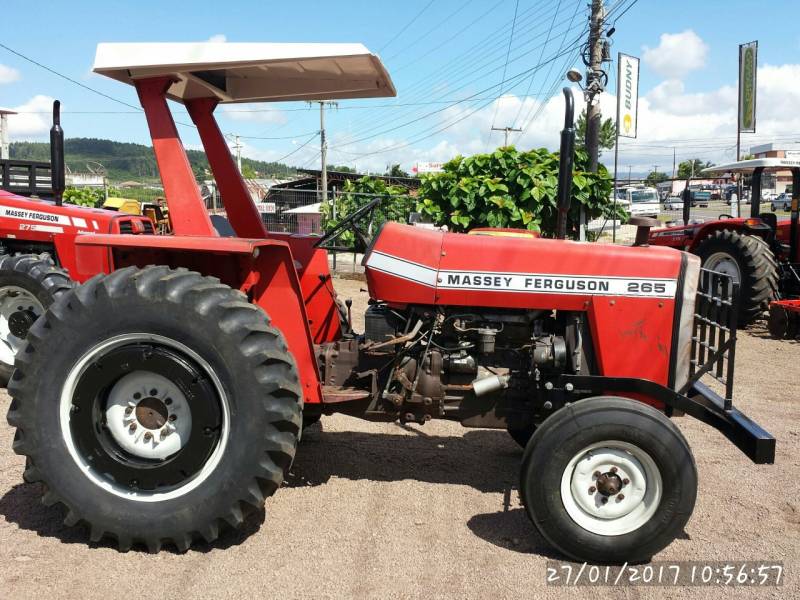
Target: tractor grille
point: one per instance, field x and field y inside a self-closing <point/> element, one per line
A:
<point x="126" y="226"/>
<point x="714" y="335"/>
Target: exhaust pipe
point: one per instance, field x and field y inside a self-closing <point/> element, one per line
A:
<point x="566" y="161"/>
<point x="57" y="168"/>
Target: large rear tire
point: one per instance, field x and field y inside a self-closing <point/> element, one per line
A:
<point x="749" y="260"/>
<point x="608" y="480"/>
<point x="29" y="283"/>
<point x="155" y="404"/>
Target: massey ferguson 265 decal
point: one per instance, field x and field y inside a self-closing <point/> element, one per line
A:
<point x="532" y="283"/>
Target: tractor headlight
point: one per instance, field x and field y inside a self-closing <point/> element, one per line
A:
<point x="683" y="347"/>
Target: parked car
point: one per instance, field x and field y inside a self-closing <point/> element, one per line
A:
<point x="673" y="203"/>
<point x="781" y="202"/>
<point x="699" y="197"/>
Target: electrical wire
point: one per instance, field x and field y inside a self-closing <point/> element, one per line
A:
<point x="505" y="68"/>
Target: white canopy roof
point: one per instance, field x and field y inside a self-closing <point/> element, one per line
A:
<point x="746" y="166"/>
<point x="251" y="72"/>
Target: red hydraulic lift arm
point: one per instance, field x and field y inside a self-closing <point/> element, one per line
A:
<point x="242" y="213"/>
<point x="187" y="210"/>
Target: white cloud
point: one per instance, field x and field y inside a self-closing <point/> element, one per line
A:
<point x="219" y="38"/>
<point x="8" y="74"/>
<point x="677" y="54"/>
<point x="33" y="118"/>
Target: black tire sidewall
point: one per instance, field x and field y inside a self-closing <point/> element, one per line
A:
<point x="578" y="426"/>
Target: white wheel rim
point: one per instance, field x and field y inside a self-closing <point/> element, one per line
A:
<point x="611" y="515"/>
<point x="65" y="406"/>
<point x="724" y="263"/>
<point x="138" y="435"/>
<point x="13" y="299"/>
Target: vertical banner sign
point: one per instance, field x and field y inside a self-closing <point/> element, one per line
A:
<point x="748" y="67"/>
<point x="627" y="95"/>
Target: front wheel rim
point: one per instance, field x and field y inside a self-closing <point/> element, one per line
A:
<point x="611" y="488"/>
<point x="144" y="417"/>
<point x="19" y="308"/>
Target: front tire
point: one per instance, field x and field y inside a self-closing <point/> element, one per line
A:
<point x="155" y="404"/>
<point x="748" y="259"/>
<point x="608" y="480"/>
<point x="29" y="283"/>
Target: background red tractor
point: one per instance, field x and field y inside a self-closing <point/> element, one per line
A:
<point x="760" y="252"/>
<point x="166" y="396"/>
<point x="37" y="242"/>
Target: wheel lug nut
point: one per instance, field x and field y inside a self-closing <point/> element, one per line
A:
<point x="596" y="474"/>
<point x="613" y="469"/>
<point x="148" y="437"/>
<point x="626" y="481"/>
<point x="592" y="490"/>
<point x="153" y="392"/>
<point x="128" y="410"/>
<point x="132" y="427"/>
<point x="172" y="417"/>
<point x="621" y="497"/>
<point x="168" y="401"/>
<point x="604" y="500"/>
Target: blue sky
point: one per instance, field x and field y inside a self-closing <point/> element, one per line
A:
<point x="451" y="50"/>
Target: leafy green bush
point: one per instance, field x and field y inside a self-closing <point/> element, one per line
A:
<point x="508" y="188"/>
<point x="396" y="206"/>
<point x="85" y="196"/>
<point x="91" y="197"/>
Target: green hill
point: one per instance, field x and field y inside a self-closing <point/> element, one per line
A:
<point x="125" y="161"/>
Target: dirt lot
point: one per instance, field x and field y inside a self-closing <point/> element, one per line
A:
<point x="379" y="510"/>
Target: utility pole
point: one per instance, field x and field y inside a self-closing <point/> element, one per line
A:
<point x="238" y="147"/>
<point x="629" y="174"/>
<point x="4" y="154"/>
<point x="323" y="150"/>
<point x="594" y="83"/>
<point x="506" y="131"/>
<point x="674" y="155"/>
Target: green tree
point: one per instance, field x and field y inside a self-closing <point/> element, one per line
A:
<point x="248" y="172"/>
<point x="509" y="188"/>
<point x="342" y="168"/>
<point x="692" y="168"/>
<point x="655" y="177"/>
<point x="396" y="171"/>
<point x="608" y="133"/>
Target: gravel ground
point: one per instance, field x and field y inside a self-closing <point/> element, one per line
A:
<point x="380" y="510"/>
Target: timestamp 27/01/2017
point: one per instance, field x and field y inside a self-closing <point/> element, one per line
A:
<point x="667" y="573"/>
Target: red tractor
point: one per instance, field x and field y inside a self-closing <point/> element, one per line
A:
<point x="37" y="242"/>
<point x="166" y="396"/>
<point x="760" y="252"/>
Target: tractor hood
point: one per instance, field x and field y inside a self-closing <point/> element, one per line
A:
<point x="411" y="265"/>
<point x="44" y="216"/>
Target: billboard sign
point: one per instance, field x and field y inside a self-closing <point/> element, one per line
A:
<point x="748" y="67"/>
<point x="428" y="167"/>
<point x="627" y="95"/>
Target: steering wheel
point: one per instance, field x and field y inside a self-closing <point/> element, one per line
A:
<point x="350" y="221"/>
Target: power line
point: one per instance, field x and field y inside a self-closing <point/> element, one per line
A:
<point x="78" y="83"/>
<point x="407" y="25"/>
<point x="505" y="67"/>
<point x="296" y="150"/>
<point x="472" y="98"/>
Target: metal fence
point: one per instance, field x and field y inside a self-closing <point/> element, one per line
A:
<point x="306" y="211"/>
